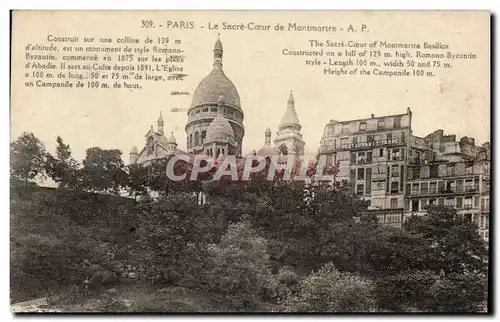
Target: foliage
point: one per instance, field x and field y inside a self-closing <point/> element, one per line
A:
<point x="239" y="267"/>
<point x="62" y="168"/>
<point x="103" y="170"/>
<point x="329" y="290"/>
<point x="137" y="180"/>
<point x="27" y="157"/>
<point x="450" y="242"/>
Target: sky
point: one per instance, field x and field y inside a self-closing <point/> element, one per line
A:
<point x="456" y="100"/>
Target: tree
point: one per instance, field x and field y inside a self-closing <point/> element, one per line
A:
<point x="438" y="264"/>
<point x="27" y="156"/>
<point x="329" y="290"/>
<point x="103" y="170"/>
<point x="239" y="267"/>
<point x="63" y="169"/>
<point x="173" y="231"/>
<point x="137" y="179"/>
<point x="452" y="243"/>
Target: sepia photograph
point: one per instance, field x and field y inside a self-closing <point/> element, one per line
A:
<point x="250" y="161"/>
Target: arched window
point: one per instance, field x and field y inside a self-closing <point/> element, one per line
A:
<point x="190" y="141"/>
<point x="283" y="150"/>
<point x="150" y="145"/>
<point x="203" y="136"/>
<point x="196" y="139"/>
<point x="218" y="153"/>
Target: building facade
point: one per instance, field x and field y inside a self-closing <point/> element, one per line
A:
<point x="372" y="155"/>
<point x="400" y="174"/>
<point x="444" y="171"/>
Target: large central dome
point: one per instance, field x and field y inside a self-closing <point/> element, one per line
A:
<point x="213" y="86"/>
<point x="216" y="84"/>
<point x="215" y="116"/>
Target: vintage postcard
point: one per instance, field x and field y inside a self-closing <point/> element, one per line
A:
<point x="250" y="161"/>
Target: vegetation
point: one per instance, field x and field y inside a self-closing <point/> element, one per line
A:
<point x="253" y="246"/>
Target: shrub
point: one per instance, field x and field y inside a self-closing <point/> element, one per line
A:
<point x="239" y="267"/>
<point x="328" y="290"/>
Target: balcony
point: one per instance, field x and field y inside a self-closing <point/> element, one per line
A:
<point x="444" y="191"/>
<point x="361" y="145"/>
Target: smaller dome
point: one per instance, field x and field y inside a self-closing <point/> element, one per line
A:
<point x="266" y="150"/>
<point x="134" y="150"/>
<point x="219" y="130"/>
<point x="171" y="139"/>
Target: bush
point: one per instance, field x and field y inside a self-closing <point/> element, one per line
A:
<point x="405" y="291"/>
<point x="239" y="268"/>
<point x="328" y="290"/>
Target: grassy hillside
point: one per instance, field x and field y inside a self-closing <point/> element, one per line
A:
<point x="53" y="232"/>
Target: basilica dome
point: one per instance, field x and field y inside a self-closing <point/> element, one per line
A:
<point x="214" y="85"/>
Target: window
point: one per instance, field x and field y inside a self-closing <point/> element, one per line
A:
<point x="329" y="130"/>
<point x="468" y="217"/>
<point x="196" y="139"/>
<point x="432" y="201"/>
<point x="423" y="204"/>
<point x="396" y="155"/>
<point x="441" y="201"/>
<point x="397" y="122"/>
<point x="361" y="157"/>
<point x="344" y="142"/>
<point x="394" y="187"/>
<point x="433" y="187"/>
<point x="394" y="171"/>
<point x="370" y="138"/>
<point x="414" y="189"/>
<point x="213" y="109"/>
<point x="415" y="172"/>
<point x="362" y="127"/>
<point x="361" y="173"/>
<point x="360" y="189"/>
<point x="414" y="205"/>
<point x="450" y="170"/>
<point x="459" y="202"/>
<point x="468" y="169"/>
<point x="381" y="152"/>
<point x="403" y="137"/>
<point x="380" y="124"/>
<point x="345" y="128"/>
<point x="394" y="203"/>
<point x="450" y="186"/>
<point x="353" y="158"/>
<point x="389" y="136"/>
<point x="354" y="140"/>
<point x="450" y="202"/>
<point x="468" y="202"/>
<point x="434" y="171"/>
<point x="369" y="157"/>
<point x="379" y="185"/>
<point x="468" y="185"/>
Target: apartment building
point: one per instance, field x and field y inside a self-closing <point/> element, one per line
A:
<point x="400" y="174"/>
<point x="372" y="156"/>
<point x="447" y="172"/>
